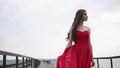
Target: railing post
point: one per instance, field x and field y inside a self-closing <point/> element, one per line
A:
<point x="31" y="63"/>
<point x="4" y="61"/>
<point x="23" y="66"/>
<point x="26" y="62"/>
<point x="16" y="61"/>
<point x="97" y="63"/>
<point x="111" y="62"/>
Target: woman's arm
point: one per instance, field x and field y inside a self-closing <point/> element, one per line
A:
<point x="90" y="43"/>
<point x="93" y="63"/>
<point x="70" y="38"/>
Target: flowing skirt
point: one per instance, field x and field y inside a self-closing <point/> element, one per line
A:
<point x="75" y="56"/>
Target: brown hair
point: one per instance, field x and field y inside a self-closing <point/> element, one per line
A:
<point x="76" y="22"/>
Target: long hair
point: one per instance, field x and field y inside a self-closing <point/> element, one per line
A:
<point x="76" y="22"/>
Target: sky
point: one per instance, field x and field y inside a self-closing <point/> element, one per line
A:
<point x="38" y="28"/>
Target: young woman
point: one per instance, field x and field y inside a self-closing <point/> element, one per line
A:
<point x="79" y="54"/>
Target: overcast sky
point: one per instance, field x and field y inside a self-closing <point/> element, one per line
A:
<point x="38" y="28"/>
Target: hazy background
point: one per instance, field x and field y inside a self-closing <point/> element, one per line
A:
<point x="38" y="28"/>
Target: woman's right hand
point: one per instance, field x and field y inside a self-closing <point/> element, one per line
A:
<point x="92" y="63"/>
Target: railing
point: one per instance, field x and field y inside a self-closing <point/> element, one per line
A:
<point x="26" y="61"/>
<point x="107" y="62"/>
<point x="100" y="62"/>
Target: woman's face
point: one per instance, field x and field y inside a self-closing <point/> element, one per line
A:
<point x="85" y="17"/>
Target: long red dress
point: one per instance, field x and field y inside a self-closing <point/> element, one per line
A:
<point x="78" y="55"/>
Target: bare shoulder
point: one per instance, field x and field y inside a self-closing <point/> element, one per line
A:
<point x="88" y="28"/>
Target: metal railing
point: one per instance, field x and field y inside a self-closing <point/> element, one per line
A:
<point x="26" y="61"/>
<point x="107" y="62"/>
<point x="100" y="62"/>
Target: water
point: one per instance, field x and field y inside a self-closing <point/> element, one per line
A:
<point x="10" y="62"/>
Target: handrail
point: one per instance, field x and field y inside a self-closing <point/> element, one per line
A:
<point x="110" y="63"/>
<point x="107" y="57"/>
<point x="11" y="54"/>
<point x="110" y="58"/>
<point x="29" y="62"/>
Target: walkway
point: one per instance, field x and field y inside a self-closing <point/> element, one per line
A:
<point x="45" y="65"/>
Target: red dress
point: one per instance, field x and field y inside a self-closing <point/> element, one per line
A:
<point x="78" y="55"/>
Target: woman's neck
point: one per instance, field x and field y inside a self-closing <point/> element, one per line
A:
<point x="81" y="23"/>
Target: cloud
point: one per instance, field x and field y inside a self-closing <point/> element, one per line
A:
<point x="35" y="27"/>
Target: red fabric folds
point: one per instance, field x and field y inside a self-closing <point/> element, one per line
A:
<point x="78" y="55"/>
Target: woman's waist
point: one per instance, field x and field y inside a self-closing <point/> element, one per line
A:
<point x="80" y="41"/>
<point x="83" y="41"/>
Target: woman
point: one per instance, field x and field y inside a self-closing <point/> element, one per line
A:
<point x="79" y="54"/>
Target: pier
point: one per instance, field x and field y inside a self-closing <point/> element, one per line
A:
<point x="29" y="62"/>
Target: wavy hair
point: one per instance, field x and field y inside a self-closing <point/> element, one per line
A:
<point x="76" y="22"/>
